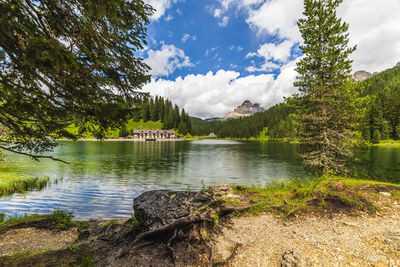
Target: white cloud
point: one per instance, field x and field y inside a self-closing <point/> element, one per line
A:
<point x="277" y="17"/>
<point x="375" y="29"/>
<point x="166" y="60"/>
<point x="208" y="51"/>
<point x="237" y="48"/>
<point x="169" y="18"/>
<point x="160" y="7"/>
<point x="226" y="4"/>
<point x="224" y="21"/>
<point x="215" y="94"/>
<point x="187" y="36"/>
<point x="217" y="13"/>
<point x="374" y="26"/>
<point x="278" y="52"/>
<point x="267" y="66"/>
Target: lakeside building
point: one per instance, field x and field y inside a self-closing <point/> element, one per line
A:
<point x="153" y="134"/>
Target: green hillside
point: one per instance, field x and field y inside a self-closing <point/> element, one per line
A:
<point x="130" y="126"/>
<point x="383" y="117"/>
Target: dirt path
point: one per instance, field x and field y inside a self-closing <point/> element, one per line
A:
<point x="328" y="240"/>
<point x="32" y="239"/>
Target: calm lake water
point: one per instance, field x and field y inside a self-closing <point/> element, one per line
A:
<point x="104" y="177"/>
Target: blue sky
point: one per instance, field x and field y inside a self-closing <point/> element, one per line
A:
<point x="208" y="56"/>
<point x="208" y="43"/>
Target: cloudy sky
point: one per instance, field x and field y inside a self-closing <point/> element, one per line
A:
<point x="208" y="56"/>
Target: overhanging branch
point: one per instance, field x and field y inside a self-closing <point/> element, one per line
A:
<point x="35" y="157"/>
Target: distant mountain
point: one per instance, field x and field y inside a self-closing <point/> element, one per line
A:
<point x="363" y="75"/>
<point x="244" y="110"/>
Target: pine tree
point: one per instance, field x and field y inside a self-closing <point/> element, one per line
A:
<point x="325" y="106"/>
<point x="59" y="60"/>
<point x="161" y="109"/>
<point x="153" y="110"/>
<point x="176" y="119"/>
<point x="146" y="111"/>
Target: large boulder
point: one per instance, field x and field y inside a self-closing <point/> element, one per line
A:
<point x="157" y="208"/>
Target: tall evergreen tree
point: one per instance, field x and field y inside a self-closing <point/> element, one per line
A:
<point x="66" y="61"/>
<point x="325" y="105"/>
<point x="146" y="111"/>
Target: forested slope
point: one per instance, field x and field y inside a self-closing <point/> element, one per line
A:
<point x="382" y="120"/>
<point x="383" y="117"/>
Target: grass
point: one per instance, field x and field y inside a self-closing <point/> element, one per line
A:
<point x="318" y="194"/>
<point x="130" y="125"/>
<point x="59" y="219"/>
<point x="388" y="143"/>
<point x="136" y="227"/>
<point x="50" y="258"/>
<point x="11" y="182"/>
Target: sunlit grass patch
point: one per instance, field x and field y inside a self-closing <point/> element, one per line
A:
<point x="388" y="143"/>
<point x="317" y="194"/>
<point x="11" y="182"/>
<point x="59" y="219"/>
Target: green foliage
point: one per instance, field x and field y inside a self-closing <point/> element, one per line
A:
<point x="14" y="183"/>
<point x="321" y="194"/>
<point x="383" y="117"/>
<point x="68" y="61"/>
<point x="276" y="119"/>
<point x="136" y="227"/>
<point x="59" y="219"/>
<point x="88" y="261"/>
<point x="327" y="107"/>
<point x="160" y="109"/>
<point x="123" y="132"/>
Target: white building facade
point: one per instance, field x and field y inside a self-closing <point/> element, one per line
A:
<point x="153" y="134"/>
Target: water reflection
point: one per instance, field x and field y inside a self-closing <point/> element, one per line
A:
<point x="104" y="177"/>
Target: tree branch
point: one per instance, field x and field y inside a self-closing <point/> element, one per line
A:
<point x="35" y="157"/>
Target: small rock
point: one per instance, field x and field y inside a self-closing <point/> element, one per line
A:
<point x="293" y="259"/>
<point x="220" y="190"/>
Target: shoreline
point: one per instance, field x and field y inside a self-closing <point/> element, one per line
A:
<point x="310" y="219"/>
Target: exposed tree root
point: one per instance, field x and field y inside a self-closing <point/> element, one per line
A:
<point x="230" y="257"/>
<point x="169" y="245"/>
<point x="191" y="219"/>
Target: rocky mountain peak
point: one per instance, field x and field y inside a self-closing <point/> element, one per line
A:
<point x="244" y="110"/>
<point x="362" y="75"/>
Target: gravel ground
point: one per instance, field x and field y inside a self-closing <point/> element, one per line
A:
<point x="32" y="239"/>
<point x="327" y="240"/>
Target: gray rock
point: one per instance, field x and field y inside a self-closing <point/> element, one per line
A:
<point x="219" y="190"/>
<point x="244" y="110"/>
<point x="293" y="259"/>
<point x="362" y="75"/>
<point x="157" y="208"/>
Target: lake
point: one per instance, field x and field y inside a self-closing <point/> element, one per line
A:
<point x="104" y="177"/>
